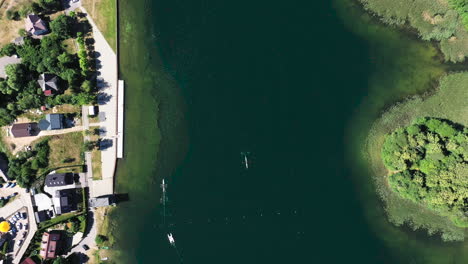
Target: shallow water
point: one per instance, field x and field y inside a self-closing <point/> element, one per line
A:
<point x="297" y="85"/>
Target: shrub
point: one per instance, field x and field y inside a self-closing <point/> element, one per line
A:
<point x="100" y="239"/>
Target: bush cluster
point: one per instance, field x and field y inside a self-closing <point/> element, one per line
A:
<point x="462" y="8"/>
<point x="25" y="166"/>
<point x="428" y="161"/>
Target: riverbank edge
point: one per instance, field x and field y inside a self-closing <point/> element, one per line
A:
<point x="400" y="115"/>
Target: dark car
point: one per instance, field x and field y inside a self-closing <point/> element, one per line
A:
<point x="85" y="247"/>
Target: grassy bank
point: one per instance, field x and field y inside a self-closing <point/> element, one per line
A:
<point x="433" y="20"/>
<point x="449" y="102"/>
<point x="104" y="13"/>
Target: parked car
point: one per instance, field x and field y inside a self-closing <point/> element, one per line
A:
<point x="24" y="234"/>
<point x="8" y="185"/>
<point x="20" y="242"/>
<point x="13" y="185"/>
<point x="24" y="216"/>
<point x="25" y="226"/>
<point x="85" y="247"/>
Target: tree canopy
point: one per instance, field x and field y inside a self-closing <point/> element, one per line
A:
<point x="62" y="26"/>
<point x="428" y="164"/>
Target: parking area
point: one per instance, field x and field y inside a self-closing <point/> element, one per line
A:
<point x="19" y="229"/>
<point x="8" y="190"/>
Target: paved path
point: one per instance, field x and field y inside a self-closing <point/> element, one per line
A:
<point x="107" y="100"/>
<point x="90" y="239"/>
<point x="4" y="61"/>
<point x="88" y="160"/>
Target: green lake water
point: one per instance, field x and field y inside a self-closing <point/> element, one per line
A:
<point x="297" y="84"/>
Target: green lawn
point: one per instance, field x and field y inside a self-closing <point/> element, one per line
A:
<point x="65" y="150"/>
<point x="104" y="14"/>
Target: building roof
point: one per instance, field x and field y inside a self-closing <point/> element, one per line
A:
<point x="100" y="202"/>
<point x="49" y="245"/>
<point x="48" y="92"/>
<point x="59" y="179"/>
<point x="51" y="122"/>
<point x="28" y="261"/>
<point x="35" y="25"/>
<point x="22" y="130"/>
<point x="41" y="216"/>
<point x="48" y="81"/>
<point x="65" y="201"/>
<point x="19" y="41"/>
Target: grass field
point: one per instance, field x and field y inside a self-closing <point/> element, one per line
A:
<point x="66" y="150"/>
<point x="433" y="20"/>
<point x="96" y="158"/>
<point x="104" y="15"/>
<point x="9" y="28"/>
<point x="448" y="102"/>
<point x="70" y="45"/>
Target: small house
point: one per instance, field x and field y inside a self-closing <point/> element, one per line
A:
<point x="59" y="179"/>
<point x="35" y="25"/>
<point x="65" y="201"/>
<point x="51" y="122"/>
<point x="48" y="83"/>
<point x="49" y="245"/>
<point x="22" y="130"/>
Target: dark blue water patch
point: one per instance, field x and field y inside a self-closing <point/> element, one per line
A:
<point x="279" y="80"/>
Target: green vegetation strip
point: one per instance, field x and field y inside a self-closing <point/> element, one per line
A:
<point x="59" y="219"/>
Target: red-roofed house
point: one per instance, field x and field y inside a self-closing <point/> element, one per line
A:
<point x="28" y="261"/>
<point x="49" y="245"/>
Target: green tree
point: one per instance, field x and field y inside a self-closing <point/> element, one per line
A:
<point x="100" y="239"/>
<point x="60" y="260"/>
<point x="427" y="161"/>
<point x="62" y="26"/>
<point x="8" y="50"/>
<point x="17" y="76"/>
